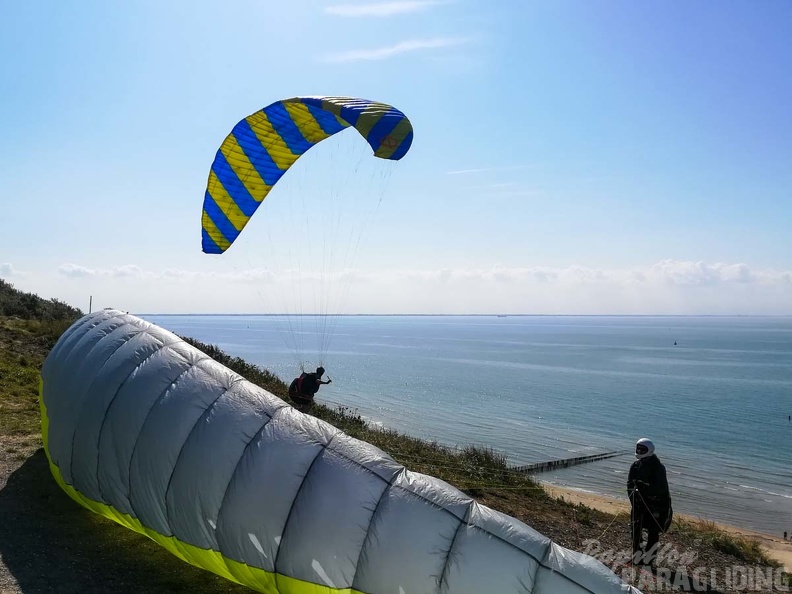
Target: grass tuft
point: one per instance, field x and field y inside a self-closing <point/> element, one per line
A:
<point x="743" y="548"/>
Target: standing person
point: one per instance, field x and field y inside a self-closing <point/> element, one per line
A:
<point x="647" y="487"/>
<point x="303" y="389"/>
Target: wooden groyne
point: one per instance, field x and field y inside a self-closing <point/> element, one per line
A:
<point x="566" y="462"/>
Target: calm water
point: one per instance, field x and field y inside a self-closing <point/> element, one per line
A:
<point x="540" y="388"/>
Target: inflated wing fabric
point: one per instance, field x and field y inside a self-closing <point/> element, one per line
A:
<point x="145" y="429"/>
<point x="262" y="147"/>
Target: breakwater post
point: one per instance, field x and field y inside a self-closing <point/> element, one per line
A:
<point x="566" y="462"/>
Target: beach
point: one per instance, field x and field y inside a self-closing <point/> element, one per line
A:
<point x="776" y="546"/>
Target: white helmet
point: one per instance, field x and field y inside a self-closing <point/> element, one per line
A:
<point x="644" y="448"/>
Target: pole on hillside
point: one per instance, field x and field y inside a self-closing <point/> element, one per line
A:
<point x="90" y="303"/>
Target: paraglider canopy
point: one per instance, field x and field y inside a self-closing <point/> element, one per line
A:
<point x="264" y="145"/>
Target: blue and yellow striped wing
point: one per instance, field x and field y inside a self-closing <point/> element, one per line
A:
<point x="262" y="147"/>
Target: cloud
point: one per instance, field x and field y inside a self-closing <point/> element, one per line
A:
<point x="675" y="273"/>
<point x="383" y="53"/>
<point x="287" y="276"/>
<point x="661" y="287"/>
<point x="700" y="273"/>
<point x="8" y="270"/>
<point x="671" y="273"/>
<point x="381" y="9"/>
<point x="128" y="270"/>
<point x="77" y="271"/>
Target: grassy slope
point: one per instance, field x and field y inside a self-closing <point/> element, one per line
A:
<point x="23" y="346"/>
<point x="102" y="556"/>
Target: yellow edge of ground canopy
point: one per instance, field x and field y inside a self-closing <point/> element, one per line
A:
<point x="252" y="577"/>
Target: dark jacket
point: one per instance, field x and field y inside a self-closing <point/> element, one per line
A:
<point x="308" y="383"/>
<point x="648" y="475"/>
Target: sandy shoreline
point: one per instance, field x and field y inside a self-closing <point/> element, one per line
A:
<point x="776" y="546"/>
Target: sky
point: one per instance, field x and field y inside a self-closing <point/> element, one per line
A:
<point x="570" y="157"/>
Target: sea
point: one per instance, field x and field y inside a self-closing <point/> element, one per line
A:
<point x="713" y="393"/>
